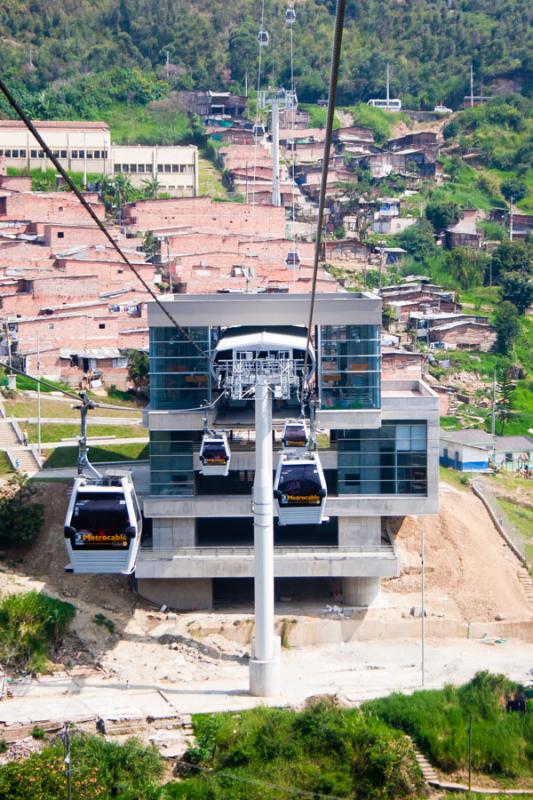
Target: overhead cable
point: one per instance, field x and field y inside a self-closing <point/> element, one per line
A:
<point x="72" y="186"/>
<point x="332" y="97"/>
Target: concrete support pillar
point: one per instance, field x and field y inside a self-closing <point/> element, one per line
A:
<point x="359" y="531"/>
<point x="172" y="534"/>
<point x="360" y="591"/>
<point x="264" y="664"/>
<point x="181" y="594"/>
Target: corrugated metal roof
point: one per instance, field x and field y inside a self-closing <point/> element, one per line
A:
<point x="91" y="352"/>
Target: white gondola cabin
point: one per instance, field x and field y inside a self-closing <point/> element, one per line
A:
<point x="258" y="131"/>
<point x="263" y="37"/>
<point x="290" y="16"/>
<point x="215" y="454"/>
<point x="103" y="525"/>
<point x="300" y="490"/>
<point x="294" y="434"/>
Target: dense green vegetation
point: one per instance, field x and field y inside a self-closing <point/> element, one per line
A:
<point x="55" y="432"/>
<point x="100" y="769"/>
<point x="106" y="60"/>
<point x="21" y="517"/>
<point x="438" y="721"/>
<point x="31" y="626"/>
<point x="325" y="750"/>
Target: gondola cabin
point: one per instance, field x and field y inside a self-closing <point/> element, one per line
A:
<point x="263" y="38"/>
<point x="103" y="525"/>
<point x="293" y="259"/>
<point x="300" y="490"/>
<point x="290" y="16"/>
<point x="215" y="454"/>
<point x="294" y="434"/>
<point x="258" y="131"/>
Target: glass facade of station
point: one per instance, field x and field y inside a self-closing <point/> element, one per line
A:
<point x="349" y="368"/>
<point x="171" y="463"/>
<point x="179" y="370"/>
<point x="391" y="460"/>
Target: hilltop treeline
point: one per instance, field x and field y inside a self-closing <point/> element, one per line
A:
<point x="213" y="44"/>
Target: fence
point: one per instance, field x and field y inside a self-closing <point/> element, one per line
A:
<point x="500" y="519"/>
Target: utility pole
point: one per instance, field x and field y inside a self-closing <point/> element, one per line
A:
<point x="493" y="420"/>
<point x="423" y="654"/>
<point x="38" y="396"/>
<point x="167" y="66"/>
<point x="264" y="664"/>
<point x="246" y="84"/>
<point x="276" y="189"/>
<point x="388" y="86"/>
<point x="471" y="84"/>
<point x="470" y="755"/>
<point x="511" y="219"/>
<point x="84" y="161"/>
<point x="65" y="735"/>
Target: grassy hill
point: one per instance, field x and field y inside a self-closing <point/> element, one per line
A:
<point x="106" y="59"/>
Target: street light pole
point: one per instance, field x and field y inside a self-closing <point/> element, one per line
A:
<point x="423" y="658"/>
<point x="38" y="396"/>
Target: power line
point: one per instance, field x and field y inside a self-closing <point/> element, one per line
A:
<point x="72" y="186"/>
<point x="332" y="97"/>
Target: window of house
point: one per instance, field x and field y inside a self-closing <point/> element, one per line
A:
<point x="60" y="208"/>
<point x="508" y="457"/>
<point x="41" y="153"/>
<point x="104" y="154"/>
<point x="125" y="168"/>
<point x="97" y="153"/>
<point x="89" y="153"/>
<point x="117" y="168"/>
<point x="60" y="234"/>
<point x="140" y="168"/>
<point x="55" y="153"/>
<point x="74" y="153"/>
<point x="167" y="167"/>
<point x="133" y="167"/>
<point x="175" y="167"/>
<point x="8" y="153"/>
<point x="160" y="168"/>
<point x="1" y="152"/>
<point x="148" y="167"/>
<point x="183" y="167"/>
<point x="81" y="153"/>
<point x="22" y="153"/>
<point x="51" y="326"/>
<point x="101" y="325"/>
<point x="63" y="153"/>
<point x="33" y="153"/>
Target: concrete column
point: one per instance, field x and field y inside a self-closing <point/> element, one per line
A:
<point x="264" y="664"/>
<point x="360" y="591"/>
<point x="181" y="594"/>
<point x="359" y="531"/>
<point x="171" y="534"/>
<point x="276" y="188"/>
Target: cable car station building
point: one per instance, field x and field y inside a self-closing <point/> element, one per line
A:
<point x="377" y="445"/>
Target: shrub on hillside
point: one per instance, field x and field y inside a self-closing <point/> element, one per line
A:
<point x="100" y="769"/>
<point x="31" y="627"/>
<point x="324" y="750"/>
<point x="21" y="519"/>
<point x="439" y="723"/>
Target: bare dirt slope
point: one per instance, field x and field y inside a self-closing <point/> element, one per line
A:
<point x="471" y="574"/>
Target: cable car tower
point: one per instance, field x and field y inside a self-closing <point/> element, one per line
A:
<point x="276" y="100"/>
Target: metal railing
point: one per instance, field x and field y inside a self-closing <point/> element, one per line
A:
<point x="500" y="519"/>
<point x="248" y="552"/>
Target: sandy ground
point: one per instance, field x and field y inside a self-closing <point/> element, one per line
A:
<point x="471" y="574"/>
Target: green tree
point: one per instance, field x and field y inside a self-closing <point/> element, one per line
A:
<point x="514" y="189"/>
<point x="151" y="244"/>
<point x="138" y="369"/>
<point x="21" y="518"/>
<point x="507" y="326"/>
<point x="510" y="257"/>
<point x="418" y="240"/>
<point x="442" y="214"/>
<point x="466" y="266"/>
<point x="517" y="288"/>
<point x="505" y="387"/>
<point x="151" y="188"/>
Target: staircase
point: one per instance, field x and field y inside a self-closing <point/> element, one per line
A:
<point x="9" y="442"/>
<point x="428" y="773"/>
<point x="526" y="579"/>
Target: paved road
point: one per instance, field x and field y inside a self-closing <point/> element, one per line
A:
<point x="355" y="670"/>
